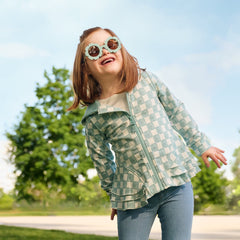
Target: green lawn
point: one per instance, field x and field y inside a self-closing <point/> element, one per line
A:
<point x="56" y="211"/>
<point x="19" y="233"/>
<point x="24" y="212"/>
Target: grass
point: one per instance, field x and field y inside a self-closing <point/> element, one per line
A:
<point x="71" y="209"/>
<point x="49" y="212"/>
<point x="217" y="210"/>
<point x="58" y="210"/>
<point x="19" y="233"/>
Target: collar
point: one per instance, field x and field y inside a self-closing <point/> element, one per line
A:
<point x="97" y="108"/>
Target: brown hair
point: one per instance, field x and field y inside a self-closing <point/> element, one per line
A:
<point x="86" y="89"/>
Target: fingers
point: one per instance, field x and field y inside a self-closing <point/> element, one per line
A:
<point x="113" y="213"/>
<point x="205" y="160"/>
<point x="216" y="155"/>
<point x="220" y="150"/>
<point x="215" y="159"/>
<point x="221" y="158"/>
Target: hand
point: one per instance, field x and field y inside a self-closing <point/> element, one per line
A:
<point x="113" y="213"/>
<point x="216" y="155"/>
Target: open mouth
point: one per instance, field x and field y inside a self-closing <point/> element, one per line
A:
<point x="107" y="60"/>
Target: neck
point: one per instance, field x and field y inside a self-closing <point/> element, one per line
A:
<point x="110" y="86"/>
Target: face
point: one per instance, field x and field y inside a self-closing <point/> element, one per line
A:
<point x="109" y="64"/>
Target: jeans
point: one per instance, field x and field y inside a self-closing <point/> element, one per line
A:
<point x="174" y="207"/>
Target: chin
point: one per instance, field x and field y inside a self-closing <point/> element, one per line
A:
<point x="114" y="72"/>
<point x="114" y="69"/>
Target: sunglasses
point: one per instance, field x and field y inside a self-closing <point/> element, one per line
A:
<point x="94" y="51"/>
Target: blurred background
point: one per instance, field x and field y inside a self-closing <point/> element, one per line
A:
<point x="192" y="45"/>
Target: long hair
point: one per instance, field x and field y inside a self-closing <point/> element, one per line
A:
<point x="86" y="88"/>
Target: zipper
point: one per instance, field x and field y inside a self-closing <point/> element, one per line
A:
<point x="143" y="144"/>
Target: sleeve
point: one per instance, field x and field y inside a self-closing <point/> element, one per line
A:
<point x="180" y="119"/>
<point x="101" y="155"/>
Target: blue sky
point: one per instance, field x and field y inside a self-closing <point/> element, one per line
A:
<point x="193" y="46"/>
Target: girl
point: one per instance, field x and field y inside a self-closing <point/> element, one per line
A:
<point x="150" y="133"/>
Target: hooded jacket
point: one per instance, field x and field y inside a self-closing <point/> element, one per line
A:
<point x="146" y="150"/>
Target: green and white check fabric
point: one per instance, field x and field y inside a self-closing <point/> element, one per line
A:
<point x="150" y="153"/>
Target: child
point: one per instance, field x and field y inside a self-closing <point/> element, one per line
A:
<point x="150" y="133"/>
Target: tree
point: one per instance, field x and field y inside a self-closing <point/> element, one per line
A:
<point x="47" y="145"/>
<point x="208" y="185"/>
<point x="6" y="200"/>
<point x="236" y="165"/>
<point x="234" y="199"/>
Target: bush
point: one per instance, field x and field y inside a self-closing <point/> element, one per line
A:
<point x="6" y="201"/>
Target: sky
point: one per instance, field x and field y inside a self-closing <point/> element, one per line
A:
<point x="192" y="45"/>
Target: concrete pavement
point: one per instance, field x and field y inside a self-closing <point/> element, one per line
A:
<point x="204" y="227"/>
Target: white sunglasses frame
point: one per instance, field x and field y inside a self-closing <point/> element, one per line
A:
<point x="101" y="47"/>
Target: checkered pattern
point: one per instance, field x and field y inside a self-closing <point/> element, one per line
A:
<point x="151" y="144"/>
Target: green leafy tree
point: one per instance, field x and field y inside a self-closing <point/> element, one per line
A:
<point x="47" y="145"/>
<point x="6" y="200"/>
<point x="234" y="199"/>
<point x="209" y="186"/>
<point x="236" y="165"/>
<point x="90" y="193"/>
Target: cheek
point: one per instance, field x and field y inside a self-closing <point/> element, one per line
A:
<point x="91" y="66"/>
<point x="119" y="57"/>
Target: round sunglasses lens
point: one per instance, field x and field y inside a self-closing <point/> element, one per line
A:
<point x="93" y="51"/>
<point x="112" y="44"/>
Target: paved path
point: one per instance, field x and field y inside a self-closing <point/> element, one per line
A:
<point x="204" y="227"/>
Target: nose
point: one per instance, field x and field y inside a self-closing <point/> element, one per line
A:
<point x="105" y="51"/>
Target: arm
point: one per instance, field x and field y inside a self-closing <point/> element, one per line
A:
<point x="180" y="119"/>
<point x="101" y="155"/>
<point x="184" y="124"/>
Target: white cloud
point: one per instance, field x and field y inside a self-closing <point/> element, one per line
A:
<point x="186" y="84"/>
<point x="196" y="76"/>
<point x="52" y="6"/>
<point x="225" y="58"/>
<point x="7" y="177"/>
<point x="20" y="50"/>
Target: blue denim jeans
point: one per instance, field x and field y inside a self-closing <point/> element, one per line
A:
<point x="174" y="208"/>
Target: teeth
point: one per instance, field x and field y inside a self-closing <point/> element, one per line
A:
<point x="107" y="60"/>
